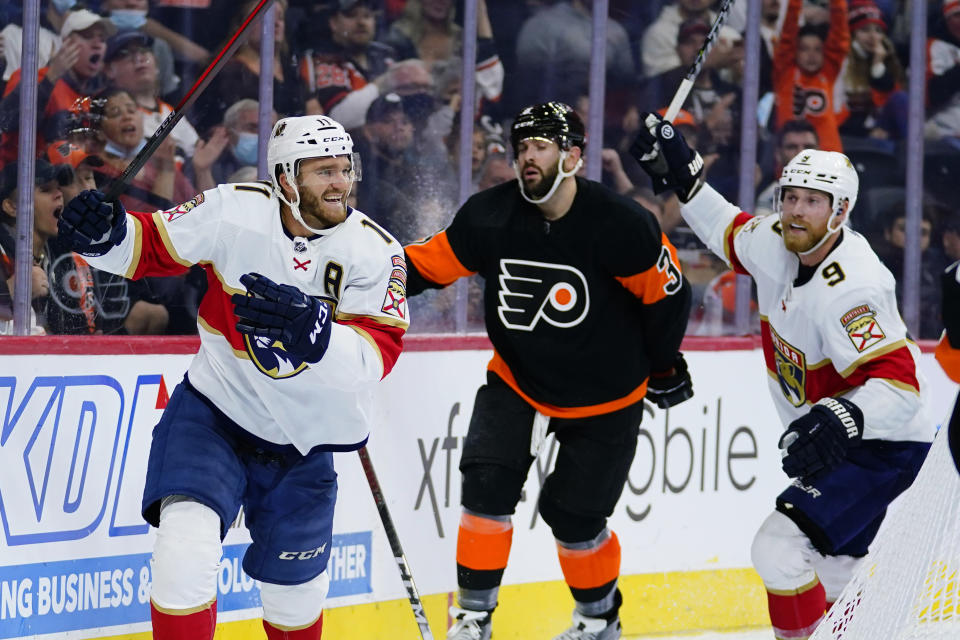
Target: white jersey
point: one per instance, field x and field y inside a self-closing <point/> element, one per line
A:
<point x="838" y="334"/>
<point x="355" y="266"/>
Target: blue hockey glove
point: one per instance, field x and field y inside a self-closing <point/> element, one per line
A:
<point x="663" y="153"/>
<point x="283" y="312"/>
<point x="669" y="388"/>
<point x="92" y="226"/>
<point x="820" y="440"/>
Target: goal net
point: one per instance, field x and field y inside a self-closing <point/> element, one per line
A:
<point x="908" y="587"/>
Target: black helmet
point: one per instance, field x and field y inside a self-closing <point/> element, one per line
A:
<point x="551" y="120"/>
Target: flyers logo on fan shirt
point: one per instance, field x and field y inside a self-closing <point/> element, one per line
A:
<point x="534" y="291"/>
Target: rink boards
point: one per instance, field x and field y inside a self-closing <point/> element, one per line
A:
<point x="74" y="556"/>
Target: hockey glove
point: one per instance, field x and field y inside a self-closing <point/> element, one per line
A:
<point x="283" y="312"/>
<point x="820" y="440"/>
<point x="92" y="226"/>
<point x="669" y="388"/>
<point x="663" y="153"/>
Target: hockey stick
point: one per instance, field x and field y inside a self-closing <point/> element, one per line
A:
<point x="687" y="83"/>
<point x="412" y="594"/>
<point x="116" y="187"/>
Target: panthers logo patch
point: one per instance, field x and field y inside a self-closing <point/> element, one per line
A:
<point x="791" y="370"/>
<point x="862" y="327"/>
<point x="271" y="358"/>
<point x="534" y="291"/>
<point x="185" y="208"/>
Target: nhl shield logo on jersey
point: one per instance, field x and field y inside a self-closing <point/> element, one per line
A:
<point x="181" y="210"/>
<point x="862" y="327"/>
<point x="531" y="291"/>
<point x="271" y="358"/>
<point x="791" y="369"/>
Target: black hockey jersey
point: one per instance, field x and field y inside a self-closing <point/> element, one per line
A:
<point x="579" y="310"/>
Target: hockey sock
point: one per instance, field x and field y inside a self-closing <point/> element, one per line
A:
<point x="310" y="632"/>
<point x="188" y="624"/>
<point x="591" y="569"/>
<point x="795" y="614"/>
<point x="483" y="547"/>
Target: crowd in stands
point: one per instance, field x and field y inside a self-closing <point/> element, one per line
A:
<point x="833" y="75"/>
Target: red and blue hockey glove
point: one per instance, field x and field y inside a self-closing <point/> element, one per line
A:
<point x="820" y="440"/>
<point x="283" y="312"/>
<point x="90" y="225"/>
<point x="669" y="388"/>
<point x="663" y="153"/>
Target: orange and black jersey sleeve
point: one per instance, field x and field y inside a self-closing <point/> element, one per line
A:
<point x="579" y="310"/>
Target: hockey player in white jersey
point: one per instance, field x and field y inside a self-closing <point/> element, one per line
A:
<point x="305" y="309"/>
<point x="843" y="372"/>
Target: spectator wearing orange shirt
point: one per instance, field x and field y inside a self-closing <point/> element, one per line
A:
<point x="806" y="65"/>
<point x="74" y="71"/>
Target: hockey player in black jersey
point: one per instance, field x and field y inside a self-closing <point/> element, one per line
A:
<point x="585" y="306"/>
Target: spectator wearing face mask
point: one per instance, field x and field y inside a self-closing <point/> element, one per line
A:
<point x="75" y="71"/>
<point x="231" y="146"/>
<point x="130" y="16"/>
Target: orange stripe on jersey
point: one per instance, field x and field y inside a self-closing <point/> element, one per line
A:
<point x="483" y="544"/>
<point x="216" y="311"/>
<point x="591" y="568"/>
<point x="499" y="367"/>
<point x="436" y="261"/>
<point x="949" y="359"/>
<point x="154" y="254"/>
<point x="740" y="220"/>
<point x="386" y="339"/>
<point x="651" y="285"/>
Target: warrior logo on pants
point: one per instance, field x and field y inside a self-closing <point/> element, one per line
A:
<point x="529" y="291"/>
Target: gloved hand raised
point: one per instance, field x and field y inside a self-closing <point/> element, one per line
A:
<point x="283" y="312"/>
<point x="92" y="226"/>
<point x="663" y="153"/>
<point x="821" y="439"/>
<point x="669" y="388"/>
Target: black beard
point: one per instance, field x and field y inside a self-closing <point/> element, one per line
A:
<point x="542" y="187"/>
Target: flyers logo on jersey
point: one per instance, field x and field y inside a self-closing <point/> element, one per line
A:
<point x="791" y="369"/>
<point x="862" y="327"/>
<point x="531" y="291"/>
<point x="185" y="208"/>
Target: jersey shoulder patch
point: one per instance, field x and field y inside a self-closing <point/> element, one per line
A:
<point x="862" y="327"/>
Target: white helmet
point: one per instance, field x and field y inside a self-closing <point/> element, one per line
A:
<point x="826" y="171"/>
<point x="298" y="138"/>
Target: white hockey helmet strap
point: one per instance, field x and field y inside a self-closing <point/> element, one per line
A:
<point x="827" y="171"/>
<point x="561" y="174"/>
<point x="298" y="138"/>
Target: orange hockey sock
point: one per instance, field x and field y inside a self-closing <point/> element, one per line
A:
<point x="591" y="570"/>
<point x="483" y="543"/>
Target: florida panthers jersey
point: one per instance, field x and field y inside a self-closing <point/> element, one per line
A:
<point x="839" y="333"/>
<point x="356" y="266"/>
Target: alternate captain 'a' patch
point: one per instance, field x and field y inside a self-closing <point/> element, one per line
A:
<point x="181" y="210"/>
<point x="862" y="327"/>
<point x="791" y="370"/>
